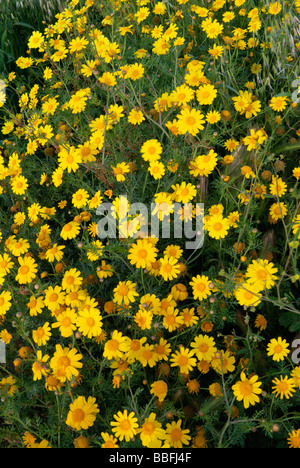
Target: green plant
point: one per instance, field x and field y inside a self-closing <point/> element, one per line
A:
<point x="17" y="21"/>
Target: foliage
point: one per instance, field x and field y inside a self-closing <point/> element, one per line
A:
<point x="17" y="21"/>
<point x="133" y="340"/>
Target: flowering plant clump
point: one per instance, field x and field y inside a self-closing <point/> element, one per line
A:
<point x="152" y="339"/>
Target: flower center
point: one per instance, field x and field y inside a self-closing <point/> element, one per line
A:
<point x="201" y="287"/>
<point x="142" y="253"/>
<point x="217" y="226"/>
<point x="64" y="361"/>
<point x="278" y="349"/>
<point x="123" y="290"/>
<point x="53" y="297"/>
<point x="66" y="322"/>
<point x="245" y="388"/>
<point x="113" y="345"/>
<point x="125" y="425"/>
<point x="262" y="274"/>
<point x="78" y="415"/>
<point x="190" y="120"/>
<point x="90" y="322"/>
<point x="148" y="428"/>
<point x="24" y="269"/>
<point x="176" y="434"/>
<point x="203" y="347"/>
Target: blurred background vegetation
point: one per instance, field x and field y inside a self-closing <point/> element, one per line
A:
<point x="18" y="18"/>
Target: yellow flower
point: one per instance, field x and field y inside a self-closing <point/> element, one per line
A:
<point x="248" y="295"/>
<point x="89" y="322"/>
<point x="223" y="362"/>
<point x="216" y="51"/>
<point x="124" y="425"/>
<point x="278" y="349"/>
<point x="151" y="150"/>
<point x="163" y="205"/>
<point x="296" y="226"/>
<point x="217" y="226"/>
<point x="70" y="230"/>
<point x="204" y="347"/>
<point x="294" y="439"/>
<point x="108" y="79"/>
<point x="169" y="268"/>
<point x="27" y="270"/>
<point x="260" y="322"/>
<point x="156" y="169"/>
<point x="48" y="73"/>
<point x="142" y="14"/>
<point x="5" y="302"/>
<point x="213" y="117"/>
<point x="77" y="103"/>
<point x="95" y="251"/>
<point x="143" y="318"/>
<point x="274" y="8"/>
<point x="206" y="94"/>
<point x="247" y="172"/>
<point x="159" y="389"/>
<point x="66" y="322"/>
<point x="247" y="390"/>
<point x="104" y="270"/>
<point x="185" y="192"/>
<point x="42" y="334"/>
<point x="142" y="253"/>
<point x="7" y="128"/>
<point x="176" y="436"/>
<point x="125" y="292"/>
<point x="55" y="253"/>
<point x="54" y="297"/>
<point x="183" y="359"/>
<point x="283" y="387"/>
<point x="261" y="273"/>
<point x="278" y="103"/>
<point x="8" y="384"/>
<point x="65" y="363"/>
<point x="24" y="62"/>
<point x="36" y="40"/>
<point x="82" y="413"/>
<point x="109" y="441"/>
<point x="151" y="431"/>
<point x="114" y="348"/>
<point x="119" y="171"/>
<point x="78" y="44"/>
<point x="201" y="287"/>
<point x="278" y="211"/>
<point x="49" y="107"/>
<point x="172" y="319"/>
<point x="19" y="184"/>
<point x="203" y="164"/>
<point x="278" y="187"/>
<point x="212" y="28"/>
<point x="115" y="113"/>
<point x="135" y="71"/>
<point x="182" y="95"/>
<point x="190" y="121"/>
<point x="71" y="280"/>
<point x="296" y="172"/>
<point x="136" y="117"/>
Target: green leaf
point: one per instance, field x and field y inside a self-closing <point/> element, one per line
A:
<point x="285" y="148"/>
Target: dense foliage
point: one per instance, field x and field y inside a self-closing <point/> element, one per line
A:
<point x="189" y="108"/>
